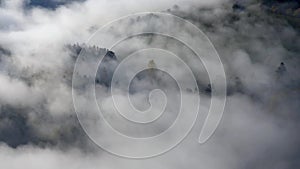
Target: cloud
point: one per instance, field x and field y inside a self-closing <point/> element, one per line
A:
<point x="38" y="125"/>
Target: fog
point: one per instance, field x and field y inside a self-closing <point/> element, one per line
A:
<point x="39" y="45"/>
